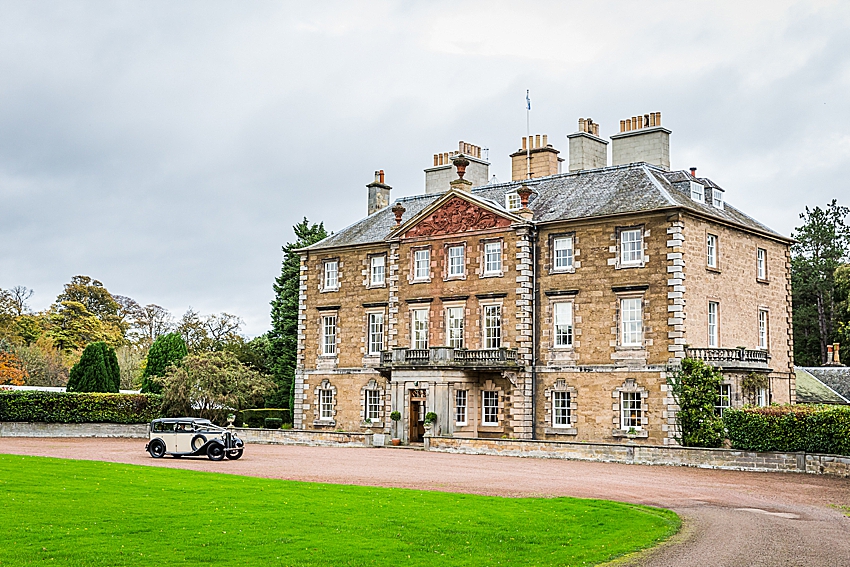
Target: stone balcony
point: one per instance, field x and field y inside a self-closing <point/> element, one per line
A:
<point x="446" y="357"/>
<point x="733" y="358"/>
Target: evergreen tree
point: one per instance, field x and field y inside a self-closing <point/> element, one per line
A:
<point x="696" y="389"/>
<point x="823" y="244"/>
<point x="96" y="371"/>
<point x="166" y="350"/>
<point x="283" y="337"/>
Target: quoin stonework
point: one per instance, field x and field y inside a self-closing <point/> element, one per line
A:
<point x="553" y="307"/>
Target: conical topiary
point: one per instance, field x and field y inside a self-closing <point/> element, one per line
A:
<point x="96" y="371"/>
<point x="166" y="350"/>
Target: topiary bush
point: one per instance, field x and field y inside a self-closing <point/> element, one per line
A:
<point x="813" y="429"/>
<point x="64" y="407"/>
<point x="257" y="417"/>
<point x="166" y="350"/>
<point x="96" y="371"/>
<point x="272" y="423"/>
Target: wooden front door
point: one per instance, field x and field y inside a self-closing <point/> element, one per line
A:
<point x="416" y="416"/>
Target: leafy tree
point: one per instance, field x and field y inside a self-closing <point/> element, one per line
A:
<point x="12" y="370"/>
<point x="86" y="312"/>
<point x="211" y="385"/>
<point x="96" y="371"/>
<point x="842" y="304"/>
<point x="152" y="321"/>
<point x="165" y="351"/>
<point x="43" y="362"/>
<point x="696" y="389"/>
<point x="823" y="244"/>
<point x="283" y="337"/>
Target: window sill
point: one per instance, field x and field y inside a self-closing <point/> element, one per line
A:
<point x="329" y="290"/>
<point x="761" y="281"/>
<point x="638" y="434"/>
<point x="712" y="269"/>
<point x="560" y="431"/>
<point x="562" y="271"/>
<point x="457" y="277"/>
<point x="376" y="285"/>
<point x="492" y="275"/>
<point x="462" y="424"/>
<point x="490" y="428"/>
<point x="420" y="280"/>
<point x="562" y="348"/>
<point x="630" y="265"/>
<point x="324" y="423"/>
<point x="376" y="424"/>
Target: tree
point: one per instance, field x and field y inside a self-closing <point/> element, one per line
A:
<point x="823" y="244"/>
<point x="152" y="321"/>
<point x="211" y="385"/>
<point x="86" y="312"/>
<point x="842" y="304"/>
<point x="165" y="351"/>
<point x="12" y="370"/>
<point x="43" y="362"/>
<point x="696" y="389"/>
<point x="283" y="337"/>
<point x="96" y="371"/>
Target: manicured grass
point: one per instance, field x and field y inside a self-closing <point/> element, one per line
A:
<point x="75" y="513"/>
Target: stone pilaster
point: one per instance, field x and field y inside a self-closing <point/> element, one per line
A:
<point x="676" y="340"/>
<point x="300" y="383"/>
<point x="521" y="413"/>
<point x="392" y="306"/>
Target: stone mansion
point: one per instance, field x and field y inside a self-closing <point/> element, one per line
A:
<point x="550" y="307"/>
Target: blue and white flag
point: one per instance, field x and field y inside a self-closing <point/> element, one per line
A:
<point x="527" y="100"/>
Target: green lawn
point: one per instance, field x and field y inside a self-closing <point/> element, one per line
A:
<point x="69" y="513"/>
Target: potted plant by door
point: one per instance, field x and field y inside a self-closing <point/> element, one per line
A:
<point x="430" y="420"/>
<point x="396" y="416"/>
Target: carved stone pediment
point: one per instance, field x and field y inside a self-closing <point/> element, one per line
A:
<point x="457" y="215"/>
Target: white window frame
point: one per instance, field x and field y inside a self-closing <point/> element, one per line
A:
<point x="764" y="329"/>
<point x="331" y="275"/>
<point x="763" y="397"/>
<point x="697" y="192"/>
<point x="330" y="331"/>
<point x="713" y="319"/>
<point x="375" y="333"/>
<point x="489" y="407"/>
<point x="761" y="263"/>
<point x="711" y="250"/>
<point x="631" y="401"/>
<point x="562" y="318"/>
<point x="372" y="405"/>
<point x="455" y="325"/>
<point x="461" y="407"/>
<point x="718" y="199"/>
<point x="491" y="334"/>
<point x="326" y="404"/>
<point x="562" y="262"/>
<point x="627" y="330"/>
<point x="562" y="412"/>
<point x="493" y="258"/>
<point x="421" y="264"/>
<point x="419" y="328"/>
<point x="631" y="250"/>
<point x="724" y="399"/>
<point x="377" y="270"/>
<point x="456" y="258"/>
<point x="513" y="202"/>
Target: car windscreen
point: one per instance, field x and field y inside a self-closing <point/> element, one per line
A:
<point x="163" y="427"/>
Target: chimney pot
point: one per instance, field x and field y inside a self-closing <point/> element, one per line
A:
<point x="693" y="172"/>
<point x="381" y="172"/>
<point x="835" y="358"/>
<point x="523" y="143"/>
<point x="545" y="140"/>
<point x="537" y="140"/>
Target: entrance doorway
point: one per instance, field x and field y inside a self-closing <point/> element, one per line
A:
<point x="416" y="416"/>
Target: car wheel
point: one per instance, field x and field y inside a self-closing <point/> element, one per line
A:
<point x="156" y="448"/>
<point x="215" y="452"/>
<point x="233" y="455"/>
<point x="198" y="442"/>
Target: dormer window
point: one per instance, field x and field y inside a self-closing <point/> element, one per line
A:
<point x="513" y="201"/>
<point x="718" y="199"/>
<point x="697" y="192"/>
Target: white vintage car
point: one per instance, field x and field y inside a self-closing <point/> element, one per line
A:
<point x="191" y="437"/>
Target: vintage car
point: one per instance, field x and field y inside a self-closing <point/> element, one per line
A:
<point x="191" y="437"/>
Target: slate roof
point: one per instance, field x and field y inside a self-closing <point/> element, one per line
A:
<point x="836" y="378"/>
<point x="591" y="193"/>
<point x="810" y="390"/>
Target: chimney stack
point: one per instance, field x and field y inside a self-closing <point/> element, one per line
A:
<point x="587" y="149"/>
<point x="642" y="139"/>
<point x="693" y="172"/>
<point x="379" y="193"/>
<point x="439" y="177"/>
<point x="544" y="158"/>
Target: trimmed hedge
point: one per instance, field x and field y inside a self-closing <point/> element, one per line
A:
<point x="813" y="429"/>
<point x="273" y="423"/>
<point x="257" y="417"/>
<point x="73" y="407"/>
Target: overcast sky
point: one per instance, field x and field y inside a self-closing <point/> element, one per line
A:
<point x="167" y="148"/>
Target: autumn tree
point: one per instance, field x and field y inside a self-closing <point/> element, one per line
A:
<point x="822" y="245"/>
<point x="96" y="371"/>
<point x="211" y="385"/>
<point x="12" y="371"/>
<point x="83" y="313"/>
<point x="283" y="337"/>
<point x="165" y="351"/>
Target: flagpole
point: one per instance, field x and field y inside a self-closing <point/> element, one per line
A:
<point x="528" y="135"/>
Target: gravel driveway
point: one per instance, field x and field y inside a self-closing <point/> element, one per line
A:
<point x="731" y="518"/>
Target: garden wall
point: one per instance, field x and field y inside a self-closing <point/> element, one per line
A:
<point x="28" y="429"/>
<point x="302" y="437"/>
<point x="648" y="455"/>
